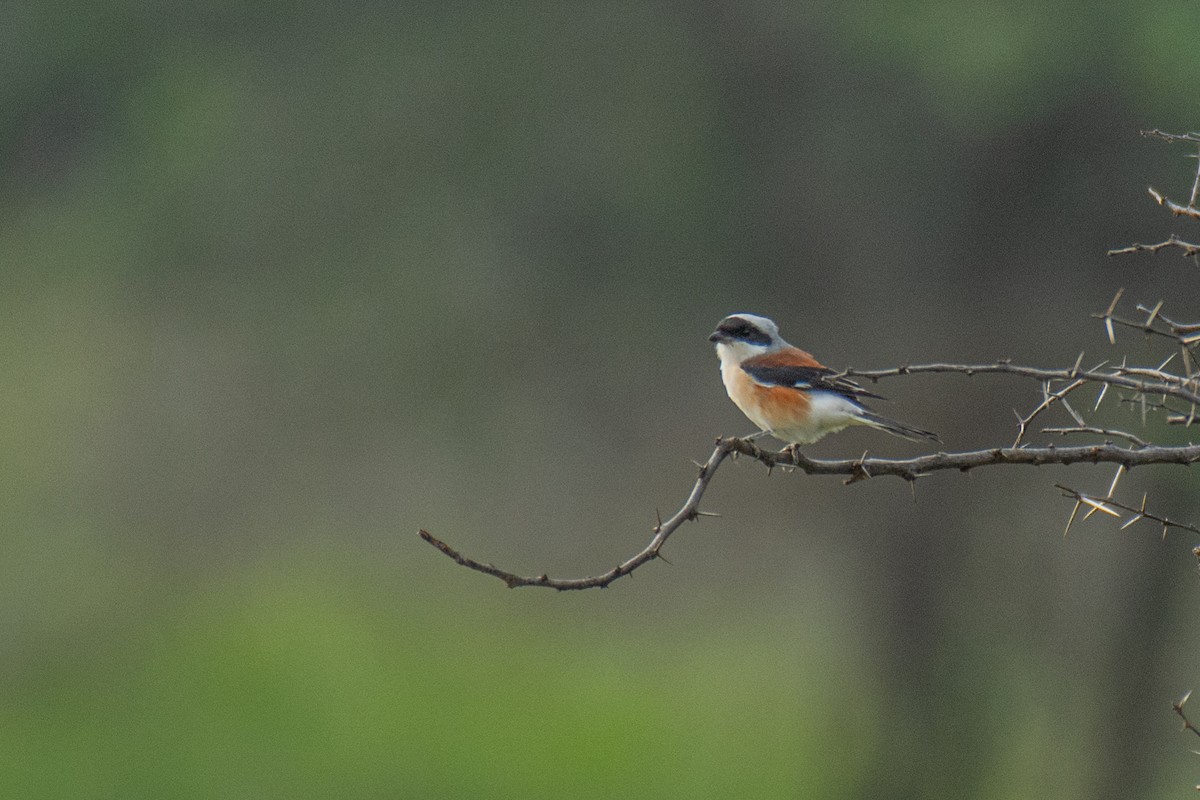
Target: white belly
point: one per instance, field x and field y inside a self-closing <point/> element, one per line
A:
<point x="827" y="413"/>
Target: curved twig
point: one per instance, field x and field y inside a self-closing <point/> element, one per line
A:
<point x="662" y="531"/>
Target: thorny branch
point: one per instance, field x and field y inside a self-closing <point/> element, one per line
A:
<point x="1190" y="210"/>
<point x="1152" y="388"/>
<point x="662" y="531"/>
<point x="1178" y="707"/>
<point x="1107" y="503"/>
<point x="857" y="469"/>
<point x="1176" y="209"/>
<point x="1173" y="137"/>
<point x="1186" y="334"/>
<point x="1141" y="382"/>
<point x="1136" y="441"/>
<point x="1188" y="725"/>
<point x="1188" y="248"/>
<point x="1119" y="376"/>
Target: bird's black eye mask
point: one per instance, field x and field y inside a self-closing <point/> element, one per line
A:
<point x="743" y="331"/>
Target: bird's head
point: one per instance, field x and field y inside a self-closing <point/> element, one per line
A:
<point x="744" y="336"/>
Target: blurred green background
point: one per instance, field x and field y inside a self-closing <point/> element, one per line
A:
<point x="285" y="282"/>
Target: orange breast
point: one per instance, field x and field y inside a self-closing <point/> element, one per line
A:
<point x="768" y="407"/>
<point x="781" y="406"/>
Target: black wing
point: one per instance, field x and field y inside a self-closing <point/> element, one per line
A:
<point x="819" y="379"/>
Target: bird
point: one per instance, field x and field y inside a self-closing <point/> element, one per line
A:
<point x="786" y="392"/>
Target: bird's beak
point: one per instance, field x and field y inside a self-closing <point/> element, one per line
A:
<point x="718" y="337"/>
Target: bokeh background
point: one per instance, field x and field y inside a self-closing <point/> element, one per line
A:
<point x="284" y="283"/>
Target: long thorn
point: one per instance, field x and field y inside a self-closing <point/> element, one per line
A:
<point x="1074" y="511"/>
<point x="1113" y="486"/>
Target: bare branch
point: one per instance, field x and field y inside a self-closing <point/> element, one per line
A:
<point x="1181" y="137"/>
<point x="1190" y="210"/>
<point x="1184" y="333"/>
<point x="1177" y="328"/>
<point x="1117" y="376"/>
<point x="919" y="466"/>
<point x="1174" y="416"/>
<point x="1188" y="248"/>
<point x="1129" y="437"/>
<point x="856" y="469"/>
<point x="1107" y="504"/>
<point x="1175" y="209"/>
<point x="1172" y="137"/>
<point x="662" y="531"/>
<point x="1195" y="185"/>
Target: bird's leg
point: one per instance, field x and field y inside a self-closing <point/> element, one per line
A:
<point x="793" y="451"/>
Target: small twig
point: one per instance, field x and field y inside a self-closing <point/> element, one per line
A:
<point x="1178" y="328"/>
<point x="1195" y="183"/>
<point x="1174" y="416"/>
<point x="1134" y="440"/>
<point x="662" y="531"/>
<point x="1176" y="209"/>
<point x="1048" y="399"/>
<point x="1149" y="330"/>
<point x="1188" y="248"/>
<point x="1190" y="210"/>
<point x="1107" y="504"/>
<point x="1172" y="137"/>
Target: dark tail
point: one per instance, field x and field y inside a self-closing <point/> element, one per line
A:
<point x="897" y="428"/>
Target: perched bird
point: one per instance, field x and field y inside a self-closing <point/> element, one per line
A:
<point x="787" y="392"/>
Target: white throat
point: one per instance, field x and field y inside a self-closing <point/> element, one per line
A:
<point x="734" y="353"/>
